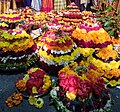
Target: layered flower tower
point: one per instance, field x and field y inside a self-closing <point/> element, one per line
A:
<point x="17" y="49"/>
<point x="56" y="49"/>
<point x="90" y="34"/>
<point x="10" y="19"/>
<point x="80" y="89"/>
<point x="72" y="14"/>
<point x="108" y="61"/>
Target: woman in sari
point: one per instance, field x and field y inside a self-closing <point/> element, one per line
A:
<point x="47" y="5"/>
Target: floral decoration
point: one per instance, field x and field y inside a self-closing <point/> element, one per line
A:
<point x="22" y="41"/>
<point x="37" y="102"/>
<point x="91" y="36"/>
<point x="107" y="53"/>
<point x="34" y="82"/>
<point x="111" y="76"/>
<point x="14" y="99"/>
<point x="33" y="85"/>
<point x="80" y="92"/>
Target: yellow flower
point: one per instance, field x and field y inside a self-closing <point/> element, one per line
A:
<point x="32" y="100"/>
<point x="71" y="95"/>
<point x="118" y="82"/>
<point x="34" y="90"/>
<point x="105" y="80"/>
<point x="114" y="64"/>
<point x="39" y="103"/>
<point x="113" y="83"/>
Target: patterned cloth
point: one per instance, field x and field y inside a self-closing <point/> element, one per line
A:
<point x="36" y="4"/>
<point x="47" y="5"/>
<point x="5" y="5"/>
<point x="59" y="5"/>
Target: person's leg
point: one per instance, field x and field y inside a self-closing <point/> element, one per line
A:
<point x="82" y="7"/>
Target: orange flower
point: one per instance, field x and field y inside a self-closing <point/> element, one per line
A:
<point x="14" y="99"/>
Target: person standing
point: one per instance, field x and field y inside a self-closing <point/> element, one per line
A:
<point x="27" y="3"/>
<point x="19" y="3"/>
<point x="59" y="5"/>
<point x="5" y="5"/>
<point x="47" y="5"/>
<point x="85" y="5"/>
<point x="36" y="4"/>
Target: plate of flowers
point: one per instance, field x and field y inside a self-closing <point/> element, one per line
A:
<point x="34" y="83"/>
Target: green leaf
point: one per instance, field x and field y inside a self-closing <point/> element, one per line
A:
<point x="111" y="33"/>
<point x="108" y="9"/>
<point x="108" y="28"/>
<point x="108" y="23"/>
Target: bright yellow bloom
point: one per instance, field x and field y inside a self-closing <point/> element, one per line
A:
<point x="71" y="95"/>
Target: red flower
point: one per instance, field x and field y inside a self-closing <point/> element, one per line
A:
<point x="37" y="74"/>
<point x="84" y="89"/>
<point x="62" y="75"/>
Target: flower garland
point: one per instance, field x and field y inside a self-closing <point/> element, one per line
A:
<point x="12" y="34"/>
<point x="107" y="53"/>
<point x="60" y="59"/>
<point x="104" y="65"/>
<point x="11" y="18"/>
<point x="56" y="41"/>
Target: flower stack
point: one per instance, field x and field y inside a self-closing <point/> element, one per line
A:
<point x="10" y="19"/>
<point x="83" y="92"/>
<point x="108" y="60"/>
<point x="55" y="50"/>
<point x="17" y="50"/>
<point x="90" y="34"/>
<point x="72" y="14"/>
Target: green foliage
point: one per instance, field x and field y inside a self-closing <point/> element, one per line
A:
<point x="109" y="20"/>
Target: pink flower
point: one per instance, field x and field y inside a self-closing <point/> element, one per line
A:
<point x="70" y="83"/>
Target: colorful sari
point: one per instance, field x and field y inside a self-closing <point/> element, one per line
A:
<point x="59" y="5"/>
<point x="47" y="5"/>
<point x="5" y="5"/>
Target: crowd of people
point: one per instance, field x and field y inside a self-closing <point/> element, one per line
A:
<point x="44" y="5"/>
<point x="48" y="5"/>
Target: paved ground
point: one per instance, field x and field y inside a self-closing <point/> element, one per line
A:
<point x="7" y="86"/>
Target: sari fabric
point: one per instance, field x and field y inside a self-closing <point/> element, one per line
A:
<point x="47" y="5"/>
<point x="36" y="4"/>
<point x="59" y="5"/>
